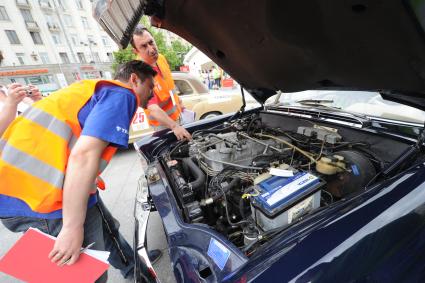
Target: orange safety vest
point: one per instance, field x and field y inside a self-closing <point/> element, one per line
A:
<point x="34" y="149"/>
<point x="163" y="90"/>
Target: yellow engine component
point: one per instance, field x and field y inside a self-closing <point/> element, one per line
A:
<point x="327" y="166"/>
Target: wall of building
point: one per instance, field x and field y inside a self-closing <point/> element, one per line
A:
<point x="50" y="77"/>
<point x="64" y="26"/>
<point x="60" y="19"/>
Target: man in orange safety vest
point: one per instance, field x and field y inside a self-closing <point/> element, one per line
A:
<point x="164" y="109"/>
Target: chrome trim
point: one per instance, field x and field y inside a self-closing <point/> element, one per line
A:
<point x="142" y="210"/>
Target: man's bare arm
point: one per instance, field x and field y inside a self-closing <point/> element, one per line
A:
<point x="158" y="114"/>
<point x="81" y="172"/>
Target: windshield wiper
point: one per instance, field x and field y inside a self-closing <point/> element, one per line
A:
<point x="315" y="101"/>
<point x="318" y="103"/>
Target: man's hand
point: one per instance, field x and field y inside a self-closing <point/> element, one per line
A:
<point x="67" y="246"/>
<point x="181" y="132"/>
<point x="36" y="93"/>
<point x="16" y="93"/>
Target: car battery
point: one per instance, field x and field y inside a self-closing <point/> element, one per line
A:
<point x="279" y="201"/>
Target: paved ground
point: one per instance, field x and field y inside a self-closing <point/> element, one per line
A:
<point x="121" y="178"/>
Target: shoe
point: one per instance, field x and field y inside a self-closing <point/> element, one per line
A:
<point x="154" y="255"/>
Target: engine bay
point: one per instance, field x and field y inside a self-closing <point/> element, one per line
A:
<point x="250" y="179"/>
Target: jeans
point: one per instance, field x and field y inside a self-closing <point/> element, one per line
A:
<point x="122" y="254"/>
<point x="92" y="229"/>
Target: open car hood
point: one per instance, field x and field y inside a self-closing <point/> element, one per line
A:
<point x="292" y="46"/>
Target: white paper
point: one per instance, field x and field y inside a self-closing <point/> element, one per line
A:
<point x="187" y="116"/>
<point x="281" y="172"/>
<point x="100" y="255"/>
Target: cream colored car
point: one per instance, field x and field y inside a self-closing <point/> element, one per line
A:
<point x="195" y="97"/>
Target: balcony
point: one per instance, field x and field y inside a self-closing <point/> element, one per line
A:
<point x="23" y="4"/>
<point x="53" y="26"/>
<point x="32" y="26"/>
<point x="46" y="5"/>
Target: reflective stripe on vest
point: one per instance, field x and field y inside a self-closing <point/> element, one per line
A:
<point x="169" y="113"/>
<point x="49" y="122"/>
<point x="32" y="166"/>
<point x="34" y="149"/>
<point x="2" y="144"/>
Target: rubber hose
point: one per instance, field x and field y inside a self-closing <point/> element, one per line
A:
<point x="196" y="173"/>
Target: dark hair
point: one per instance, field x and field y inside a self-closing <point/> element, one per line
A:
<point x="142" y="70"/>
<point x="138" y="30"/>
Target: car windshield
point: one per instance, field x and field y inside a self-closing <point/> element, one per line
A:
<point x="360" y="102"/>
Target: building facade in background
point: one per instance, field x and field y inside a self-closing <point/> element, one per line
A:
<point x="52" y="43"/>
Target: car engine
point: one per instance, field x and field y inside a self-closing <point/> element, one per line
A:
<point x="249" y="182"/>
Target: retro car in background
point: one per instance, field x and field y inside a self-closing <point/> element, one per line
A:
<point x="298" y="190"/>
<point x="195" y="97"/>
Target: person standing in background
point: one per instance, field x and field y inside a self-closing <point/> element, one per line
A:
<point x="11" y="99"/>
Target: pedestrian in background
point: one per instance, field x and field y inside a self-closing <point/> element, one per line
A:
<point x="205" y="77"/>
<point x="216" y="77"/>
<point x="210" y="79"/>
<point x="10" y="100"/>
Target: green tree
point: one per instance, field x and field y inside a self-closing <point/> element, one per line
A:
<point x="122" y="56"/>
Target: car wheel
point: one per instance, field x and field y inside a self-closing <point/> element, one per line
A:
<point x="210" y="115"/>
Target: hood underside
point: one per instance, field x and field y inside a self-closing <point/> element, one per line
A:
<point x="292" y="46"/>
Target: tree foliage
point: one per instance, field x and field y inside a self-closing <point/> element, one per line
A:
<point x="122" y="56"/>
<point x="174" y="53"/>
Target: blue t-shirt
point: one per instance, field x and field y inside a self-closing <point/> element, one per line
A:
<point x="106" y="116"/>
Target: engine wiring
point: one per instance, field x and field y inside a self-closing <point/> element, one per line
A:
<point x="245" y="149"/>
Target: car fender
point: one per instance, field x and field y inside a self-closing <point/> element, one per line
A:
<point x="222" y="103"/>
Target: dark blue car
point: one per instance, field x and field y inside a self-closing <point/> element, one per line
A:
<point x="327" y="188"/>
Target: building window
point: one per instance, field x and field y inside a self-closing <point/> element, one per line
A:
<point x="68" y="20"/>
<point x="81" y="57"/>
<point x="96" y="57"/>
<point x="45" y="3"/>
<point x="64" y="57"/>
<point x="85" y="22"/>
<point x="36" y="37"/>
<point x="51" y="22"/>
<point x="110" y="56"/>
<point x="3" y="14"/>
<point x="13" y="37"/>
<point x="36" y="80"/>
<point x="56" y="38"/>
<point x="21" y="58"/>
<point x="62" y="4"/>
<point x="74" y="39"/>
<point x="22" y="2"/>
<point x="26" y="14"/>
<point x="44" y="57"/>
<point x="79" y="4"/>
<point x="106" y="41"/>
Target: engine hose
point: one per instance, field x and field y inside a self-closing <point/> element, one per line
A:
<point x="196" y="172"/>
<point x="235" y="182"/>
<point x="242" y="208"/>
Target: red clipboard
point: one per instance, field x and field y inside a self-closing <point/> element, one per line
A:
<point x="28" y="260"/>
